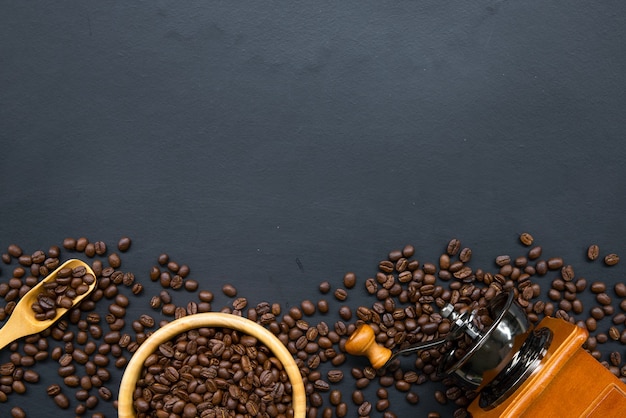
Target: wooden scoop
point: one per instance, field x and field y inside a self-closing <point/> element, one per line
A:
<point x="22" y="321"/>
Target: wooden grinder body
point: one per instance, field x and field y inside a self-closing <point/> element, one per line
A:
<point x="568" y="383"/>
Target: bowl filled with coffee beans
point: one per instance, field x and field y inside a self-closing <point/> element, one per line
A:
<point x="212" y="365"/>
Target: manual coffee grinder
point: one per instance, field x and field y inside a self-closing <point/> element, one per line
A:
<point x="517" y="370"/>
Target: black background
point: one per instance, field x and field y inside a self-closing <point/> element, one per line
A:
<point x="273" y="145"/>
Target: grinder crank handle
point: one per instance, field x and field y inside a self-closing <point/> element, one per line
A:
<point x="363" y="343"/>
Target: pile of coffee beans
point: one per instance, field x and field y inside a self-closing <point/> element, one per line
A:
<point x="209" y="372"/>
<point x="405" y="294"/>
<point x="68" y="284"/>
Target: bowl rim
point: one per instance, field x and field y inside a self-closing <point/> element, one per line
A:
<point x="202" y="320"/>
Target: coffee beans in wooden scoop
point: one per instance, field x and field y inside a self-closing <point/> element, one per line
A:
<point x="60" y="293"/>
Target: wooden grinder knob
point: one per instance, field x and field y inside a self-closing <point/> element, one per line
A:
<point x="362" y="342"/>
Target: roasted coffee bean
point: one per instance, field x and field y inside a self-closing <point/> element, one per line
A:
<point x="440" y="397"/>
<point x="124" y="244"/>
<point x="615" y="358"/>
<point x="382" y="404"/>
<point x="114" y="260"/>
<point x="593" y="252"/>
<point x="308" y="307"/>
<point x="240" y="303"/>
<point x="163" y="259"/>
<point x="349" y="280"/>
<point x="371" y="286"/>
<point x="365" y="408"/>
<point x="192" y="308"/>
<point x="205" y="296"/>
<point x="146" y="321"/>
<point x="324" y="287"/>
<point x="454" y="246"/>
<point x="620" y="289"/>
<point x="62" y="401"/>
<point x="567" y="273"/>
<point x="173" y="266"/>
<point x="341" y="410"/>
<point x="191" y="285"/>
<point x="603" y="299"/>
<point x="526" y="239"/>
<point x="334" y="397"/>
<point x="611" y="259"/>
<point x="229" y="290"/>
<point x="341" y="294"/>
<point x="597" y="287"/>
<point x="137" y="288"/>
<point x="176" y="282"/>
<point x="345" y="312"/>
<point x="335" y="376"/>
<point x="15" y="250"/>
<point x="466" y="255"/>
<point x="503" y="260"/>
<point x="412" y="398"/>
<point x="555" y="263"/>
<point x="105" y="393"/>
<point x="155" y="302"/>
<point x="117" y="310"/>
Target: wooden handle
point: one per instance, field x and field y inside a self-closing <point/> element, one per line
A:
<point x="363" y="343"/>
<point x="211" y="319"/>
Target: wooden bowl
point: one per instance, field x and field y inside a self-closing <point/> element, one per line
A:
<point x="212" y="319"/>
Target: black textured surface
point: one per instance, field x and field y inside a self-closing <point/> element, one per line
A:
<point x="277" y="145"/>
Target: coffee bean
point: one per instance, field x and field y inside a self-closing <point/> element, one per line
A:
<point x="345" y="312"/>
<point x="503" y="260"/>
<point x="124" y="244"/>
<point x="341" y="294"/>
<point x="176" y="282"/>
<point x="62" y="401"/>
<point x="308" y="307"/>
<point x="611" y="259"/>
<point x="229" y="290"/>
<point x="597" y="287"/>
<point x="17" y="412"/>
<point x="365" y="408"/>
<point x="603" y="299"/>
<point x="321" y="385"/>
<point x="593" y="252"/>
<point x="191" y="285"/>
<point x="526" y="239"/>
<point x="454" y="246"/>
<point x="440" y="397"/>
<point x="382" y="404"/>
<point x="341" y="410"/>
<point x="555" y="263"/>
<point x="620" y="289"/>
<point x="163" y="259"/>
<point x="466" y="255"/>
<point x="114" y="260"/>
<point x="567" y="273"/>
<point x="349" y="280"/>
<point x="335" y="376"/>
<point x="412" y="398"/>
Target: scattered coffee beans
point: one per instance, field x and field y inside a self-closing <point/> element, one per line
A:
<point x="218" y="372"/>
